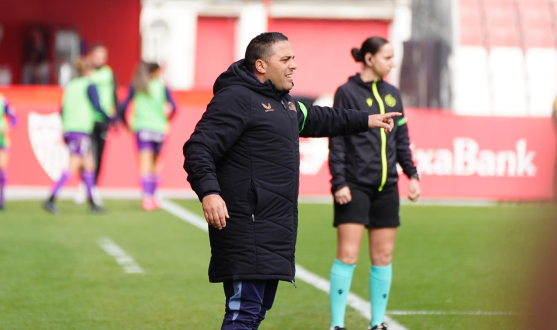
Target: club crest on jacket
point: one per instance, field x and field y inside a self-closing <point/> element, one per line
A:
<point x="267" y="107"/>
<point x="390" y="100"/>
<point x="291" y="106"/>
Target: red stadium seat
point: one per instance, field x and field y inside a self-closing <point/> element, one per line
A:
<point x="541" y="38"/>
<point x="501" y="23"/>
<point x="491" y="5"/>
<point x="468" y="3"/>
<point x="534" y="13"/>
<point x="470" y="23"/>
<point x="554" y="12"/>
<point x="503" y="36"/>
<point x="535" y="23"/>
<point x="471" y="34"/>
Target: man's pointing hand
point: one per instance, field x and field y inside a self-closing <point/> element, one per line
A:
<point x="215" y="211"/>
<point x="383" y="121"/>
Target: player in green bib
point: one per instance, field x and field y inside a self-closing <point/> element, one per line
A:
<point x="103" y="78"/>
<point x="6" y="114"/>
<point x="80" y="106"/>
<point x="149" y="122"/>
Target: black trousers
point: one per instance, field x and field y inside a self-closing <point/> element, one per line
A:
<point x="247" y="302"/>
<point x="98" y="140"/>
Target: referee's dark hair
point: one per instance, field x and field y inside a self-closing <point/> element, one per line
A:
<point x="260" y="48"/>
<point x="371" y="45"/>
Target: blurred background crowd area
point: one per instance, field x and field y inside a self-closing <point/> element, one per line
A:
<point x="477" y="57"/>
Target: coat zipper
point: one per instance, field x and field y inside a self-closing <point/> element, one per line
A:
<point x="383" y="137"/>
<point x="282" y="101"/>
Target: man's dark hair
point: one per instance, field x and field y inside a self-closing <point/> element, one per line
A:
<point x="260" y="48"/>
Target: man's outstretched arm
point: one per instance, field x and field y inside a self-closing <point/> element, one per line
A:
<point x="316" y="121"/>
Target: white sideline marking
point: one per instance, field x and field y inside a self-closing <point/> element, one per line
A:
<point x="39" y="193"/>
<point x="122" y="258"/>
<point x="184" y="214"/>
<point x="359" y="304"/>
<point x="449" y="313"/>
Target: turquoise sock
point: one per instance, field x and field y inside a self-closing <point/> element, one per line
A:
<point x="341" y="278"/>
<point x="380" y="285"/>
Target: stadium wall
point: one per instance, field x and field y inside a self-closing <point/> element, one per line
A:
<point x="209" y="35"/>
<point x="466" y="157"/>
<point x="322" y="49"/>
<point x="114" y="23"/>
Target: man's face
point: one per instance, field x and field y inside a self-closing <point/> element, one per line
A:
<point x="98" y="57"/>
<point x="281" y="66"/>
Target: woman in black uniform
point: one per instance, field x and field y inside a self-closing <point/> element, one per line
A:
<point x="364" y="181"/>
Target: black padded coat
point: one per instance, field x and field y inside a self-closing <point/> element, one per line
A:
<point x="245" y="147"/>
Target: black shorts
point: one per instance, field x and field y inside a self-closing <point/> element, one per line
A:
<point x="370" y="207"/>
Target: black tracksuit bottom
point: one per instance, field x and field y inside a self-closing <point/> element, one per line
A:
<point x="247" y="302"/>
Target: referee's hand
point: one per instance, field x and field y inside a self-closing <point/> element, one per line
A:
<point x="414" y="190"/>
<point x="383" y="121"/>
<point x="215" y="211"/>
<point x="343" y="195"/>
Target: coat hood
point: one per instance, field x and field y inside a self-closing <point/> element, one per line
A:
<point x="237" y="74"/>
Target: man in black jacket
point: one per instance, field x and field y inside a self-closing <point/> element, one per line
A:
<point x="243" y="162"/>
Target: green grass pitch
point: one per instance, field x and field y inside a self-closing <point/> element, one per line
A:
<point x="54" y="275"/>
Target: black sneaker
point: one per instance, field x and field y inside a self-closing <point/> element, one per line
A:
<point x="94" y="208"/>
<point x="338" y="328"/>
<point x="50" y="207"/>
<point x="381" y="326"/>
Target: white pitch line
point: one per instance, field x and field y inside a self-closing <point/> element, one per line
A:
<point x="122" y="258"/>
<point x="184" y="214"/>
<point x="359" y="304"/>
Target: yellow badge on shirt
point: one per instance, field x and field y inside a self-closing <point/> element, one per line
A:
<point x="390" y="100"/>
<point x="369" y="101"/>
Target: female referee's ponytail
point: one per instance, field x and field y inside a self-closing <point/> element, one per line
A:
<point x="356" y="54"/>
<point x="371" y="45"/>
